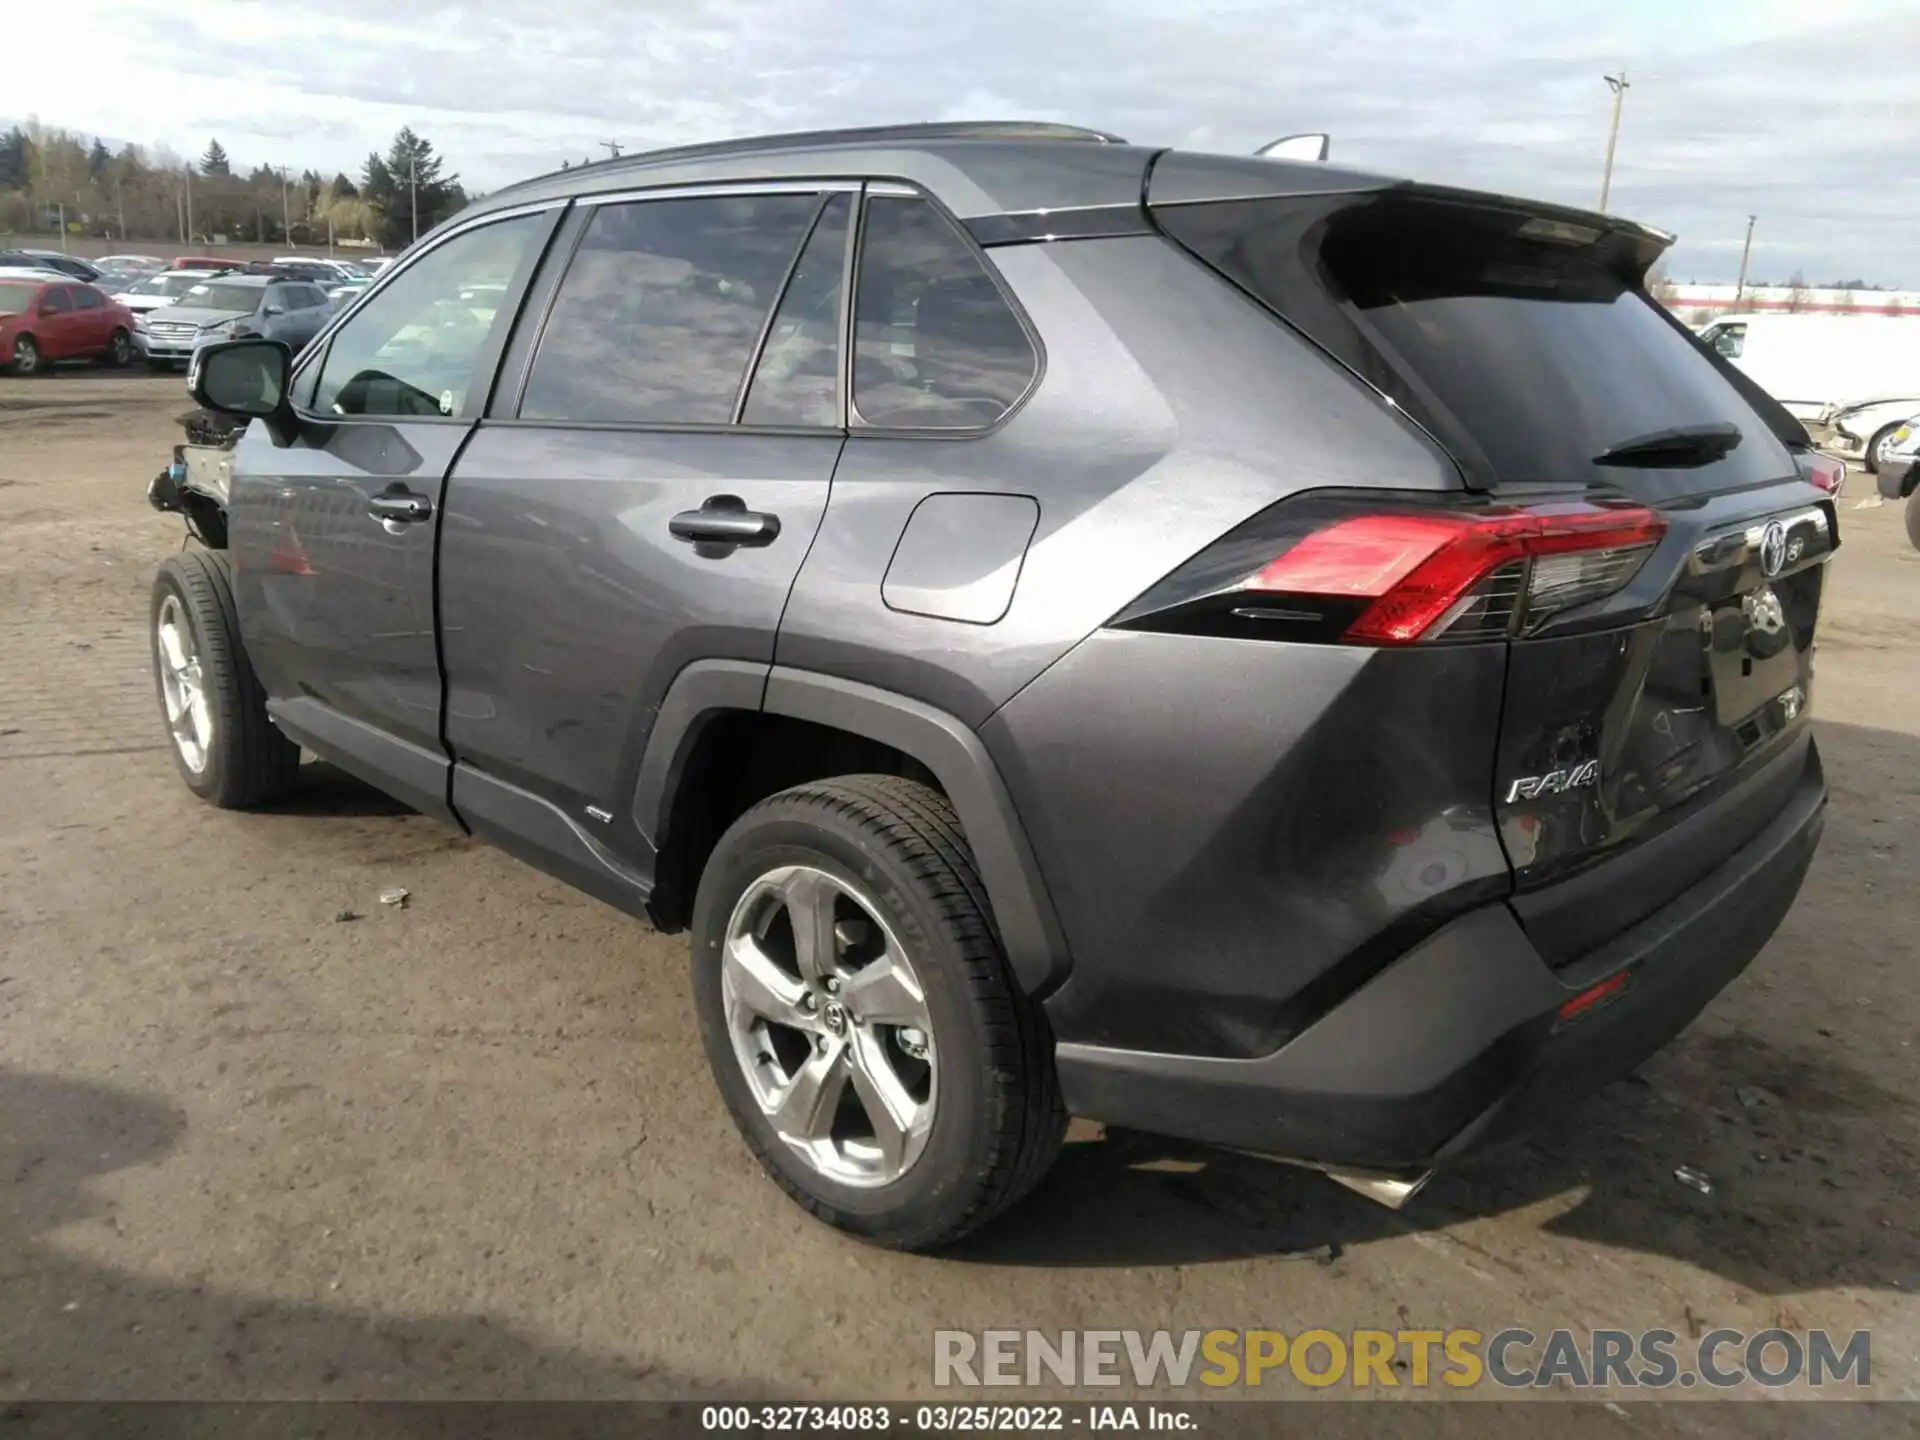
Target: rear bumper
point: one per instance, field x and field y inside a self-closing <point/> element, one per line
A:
<point x="1458" y="1044"/>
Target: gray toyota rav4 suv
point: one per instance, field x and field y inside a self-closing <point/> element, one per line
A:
<point x="1232" y="648"/>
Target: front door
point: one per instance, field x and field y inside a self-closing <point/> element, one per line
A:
<point x="642" y="499"/>
<point x="333" y="534"/>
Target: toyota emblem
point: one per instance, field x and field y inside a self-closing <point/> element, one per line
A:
<point x="1773" y="549"/>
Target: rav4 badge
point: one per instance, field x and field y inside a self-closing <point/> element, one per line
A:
<point x="1554" y="782"/>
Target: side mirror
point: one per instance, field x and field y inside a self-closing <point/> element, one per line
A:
<point x="269" y="311"/>
<point x="243" y="377"/>
<point x="1296" y="147"/>
<point x="50" y="310"/>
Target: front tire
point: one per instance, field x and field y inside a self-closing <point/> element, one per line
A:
<point x="1913" y="519"/>
<point x="1880" y="440"/>
<point x="119" y="351"/>
<point x="26" y="359"/>
<point x="226" y="749"/>
<point x="859" y="1017"/>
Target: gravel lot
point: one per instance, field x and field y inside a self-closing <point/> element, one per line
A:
<point x="469" y="1147"/>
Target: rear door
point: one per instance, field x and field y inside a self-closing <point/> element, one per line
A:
<point x="1675" y="703"/>
<point x="93" y="321"/>
<point x="333" y="534"/>
<point x="58" y="324"/>
<point x="642" y="496"/>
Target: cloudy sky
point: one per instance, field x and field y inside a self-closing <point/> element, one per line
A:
<point x="1804" y="112"/>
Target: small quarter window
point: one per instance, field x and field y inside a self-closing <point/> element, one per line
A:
<point x="936" y="345"/>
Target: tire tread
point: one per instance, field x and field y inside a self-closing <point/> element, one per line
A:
<point x="921" y="833"/>
<point x="257" y="763"/>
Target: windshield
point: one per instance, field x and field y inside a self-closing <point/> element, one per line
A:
<point x="163" y="285"/>
<point x="16" y="296"/>
<point x="223" y="297"/>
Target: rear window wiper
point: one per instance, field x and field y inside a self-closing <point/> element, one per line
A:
<point x="1677" y="449"/>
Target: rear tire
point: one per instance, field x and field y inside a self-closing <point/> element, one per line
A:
<point x="119" y="352"/>
<point x="226" y="749"/>
<point x="967" y="1054"/>
<point x="26" y="359"/>
<point x="1913" y="519"/>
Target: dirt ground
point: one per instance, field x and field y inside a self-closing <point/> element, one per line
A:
<point x="469" y="1148"/>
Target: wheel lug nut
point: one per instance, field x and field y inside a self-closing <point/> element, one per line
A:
<point x="807" y="1002"/>
<point x="833" y="985"/>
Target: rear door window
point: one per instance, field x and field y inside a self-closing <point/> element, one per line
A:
<point x="1525" y="344"/>
<point x="660" y="310"/>
<point x="85" y="297"/>
<point x="936" y="343"/>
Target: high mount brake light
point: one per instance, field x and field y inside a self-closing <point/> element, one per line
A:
<point x="1420" y="572"/>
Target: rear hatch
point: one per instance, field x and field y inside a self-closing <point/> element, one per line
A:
<point x="1647" y="733"/>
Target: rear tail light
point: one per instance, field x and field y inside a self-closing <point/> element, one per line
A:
<point x="1329" y="569"/>
<point x="1825" y="471"/>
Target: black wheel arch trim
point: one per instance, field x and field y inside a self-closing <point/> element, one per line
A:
<point x="1029" y="927"/>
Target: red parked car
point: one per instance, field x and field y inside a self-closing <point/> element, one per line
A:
<point x="43" y="322"/>
<point x="200" y="262"/>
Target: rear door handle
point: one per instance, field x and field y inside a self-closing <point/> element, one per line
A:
<point x="723" y="523"/>
<point x="399" y="507"/>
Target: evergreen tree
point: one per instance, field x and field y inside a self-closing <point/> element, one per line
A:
<point x="214" y="162"/>
<point x="16" y="159"/>
<point x="98" y="158"/>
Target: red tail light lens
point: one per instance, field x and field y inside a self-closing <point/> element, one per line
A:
<point x="1825" y="471"/>
<point x="1420" y="571"/>
<point x="1348" y="567"/>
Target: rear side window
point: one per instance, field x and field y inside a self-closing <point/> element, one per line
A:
<point x="660" y="311"/>
<point x="936" y="345"/>
<point x="1524" y="344"/>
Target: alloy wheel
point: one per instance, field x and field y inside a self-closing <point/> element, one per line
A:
<point x="829" y="1023"/>
<point x="189" y="715"/>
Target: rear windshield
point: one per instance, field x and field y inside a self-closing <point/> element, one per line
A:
<point x="1525" y="344"/>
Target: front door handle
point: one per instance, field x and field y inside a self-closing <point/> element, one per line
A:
<point x="721" y="524"/>
<point x="396" y="507"/>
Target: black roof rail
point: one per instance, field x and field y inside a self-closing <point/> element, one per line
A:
<point x="1012" y="130"/>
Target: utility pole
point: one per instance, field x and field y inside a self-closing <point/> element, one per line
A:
<point x="612" y="147"/>
<point x="63" y="227"/>
<point x="286" y="222"/>
<point x="1740" y="285"/>
<point x="188" y="237"/>
<point x="1618" y="84"/>
<point x="413" y="187"/>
